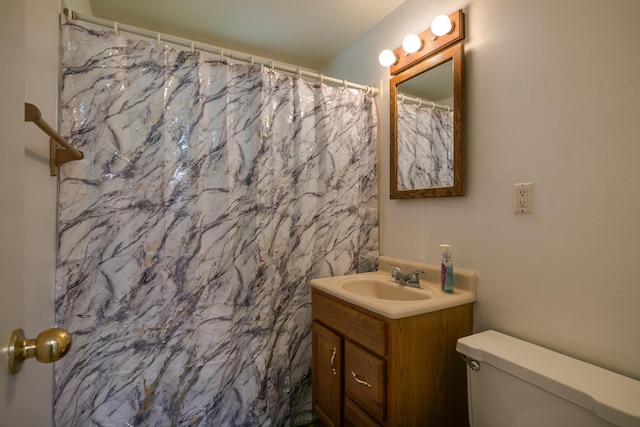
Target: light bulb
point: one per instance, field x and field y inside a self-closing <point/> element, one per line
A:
<point x="387" y="58"/>
<point x="441" y="25"/>
<point x="411" y="43"/>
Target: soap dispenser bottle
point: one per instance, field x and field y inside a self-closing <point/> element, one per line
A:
<point x="446" y="270"/>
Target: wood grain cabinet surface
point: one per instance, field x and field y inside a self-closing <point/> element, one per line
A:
<point x="372" y="371"/>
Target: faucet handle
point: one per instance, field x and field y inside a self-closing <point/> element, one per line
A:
<point x="395" y="271"/>
<point x="414" y="276"/>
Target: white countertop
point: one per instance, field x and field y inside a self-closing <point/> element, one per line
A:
<point x="465" y="289"/>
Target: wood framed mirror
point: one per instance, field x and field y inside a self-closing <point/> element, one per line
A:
<point x="427" y="127"/>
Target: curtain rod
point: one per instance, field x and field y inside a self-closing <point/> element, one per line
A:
<point x="224" y="53"/>
<point x="402" y="98"/>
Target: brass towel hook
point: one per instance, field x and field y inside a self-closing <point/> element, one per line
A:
<point x="50" y="345"/>
<point x="58" y="156"/>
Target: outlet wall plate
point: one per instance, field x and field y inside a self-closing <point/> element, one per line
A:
<point x="523" y="198"/>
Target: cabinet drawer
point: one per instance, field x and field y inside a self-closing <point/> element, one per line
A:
<point x="354" y="416"/>
<point x="366" y="330"/>
<point x="364" y="380"/>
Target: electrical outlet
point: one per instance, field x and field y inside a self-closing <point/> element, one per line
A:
<point x="523" y="198"/>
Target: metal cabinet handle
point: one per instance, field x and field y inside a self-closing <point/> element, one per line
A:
<point x="333" y="359"/>
<point x="359" y="381"/>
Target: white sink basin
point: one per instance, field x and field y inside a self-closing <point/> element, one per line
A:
<point x="378" y="292"/>
<point x="385" y="289"/>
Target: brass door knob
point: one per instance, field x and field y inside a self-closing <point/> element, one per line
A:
<point x="50" y="345"/>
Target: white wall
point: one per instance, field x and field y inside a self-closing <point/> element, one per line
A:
<point x="552" y="98"/>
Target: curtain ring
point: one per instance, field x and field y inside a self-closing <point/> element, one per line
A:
<point x="158" y="39"/>
<point x="221" y="53"/>
<point x="193" y="47"/>
<point x="321" y="77"/>
<point x="401" y="96"/>
<point x="299" y="73"/>
<point x="272" y="65"/>
<point x="344" y="85"/>
<point x="251" y="58"/>
<point x="448" y="109"/>
<point x="419" y="102"/>
<point x="115" y="28"/>
<point x="433" y="105"/>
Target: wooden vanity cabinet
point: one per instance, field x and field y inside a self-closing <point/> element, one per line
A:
<point x="371" y="371"/>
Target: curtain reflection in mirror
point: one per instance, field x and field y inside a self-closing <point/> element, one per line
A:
<point x="425" y="147"/>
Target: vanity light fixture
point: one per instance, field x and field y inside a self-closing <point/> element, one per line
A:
<point x="441" y="25"/>
<point x="445" y="31"/>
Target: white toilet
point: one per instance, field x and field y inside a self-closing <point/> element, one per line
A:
<point x="513" y="383"/>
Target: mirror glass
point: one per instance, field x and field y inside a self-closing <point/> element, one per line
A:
<point x="426" y="129"/>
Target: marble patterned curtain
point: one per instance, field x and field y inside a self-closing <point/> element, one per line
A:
<point x="425" y="147"/>
<point x="209" y="196"/>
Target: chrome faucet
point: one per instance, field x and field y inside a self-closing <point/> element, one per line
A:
<point x="410" y="279"/>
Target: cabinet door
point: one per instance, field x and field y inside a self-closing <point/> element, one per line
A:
<point x="326" y="371"/>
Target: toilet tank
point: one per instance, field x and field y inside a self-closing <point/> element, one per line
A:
<point x="519" y="384"/>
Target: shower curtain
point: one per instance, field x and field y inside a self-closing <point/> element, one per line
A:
<point x="425" y="147"/>
<point x="211" y="193"/>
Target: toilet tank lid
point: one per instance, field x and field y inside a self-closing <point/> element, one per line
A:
<point x="609" y="395"/>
